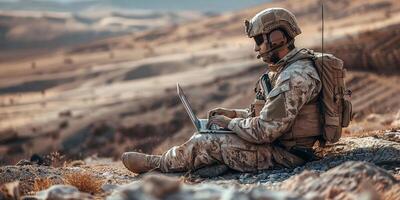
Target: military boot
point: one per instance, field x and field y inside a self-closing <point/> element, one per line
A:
<point x="139" y="162"/>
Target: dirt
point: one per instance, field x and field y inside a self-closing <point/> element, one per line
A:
<point x="381" y="150"/>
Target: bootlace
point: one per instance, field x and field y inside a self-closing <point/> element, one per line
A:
<point x="153" y="161"/>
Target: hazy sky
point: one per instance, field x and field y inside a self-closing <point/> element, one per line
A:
<point x="166" y="5"/>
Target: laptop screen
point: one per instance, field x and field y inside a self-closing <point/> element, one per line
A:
<point x="188" y="108"/>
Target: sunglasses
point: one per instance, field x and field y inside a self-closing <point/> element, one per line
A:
<point x="259" y="39"/>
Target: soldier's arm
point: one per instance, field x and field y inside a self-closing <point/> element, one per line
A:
<point x="242" y="113"/>
<point x="283" y="104"/>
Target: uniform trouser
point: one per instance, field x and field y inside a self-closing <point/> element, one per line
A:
<point x="209" y="149"/>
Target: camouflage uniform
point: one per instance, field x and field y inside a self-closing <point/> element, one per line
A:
<point x="257" y="140"/>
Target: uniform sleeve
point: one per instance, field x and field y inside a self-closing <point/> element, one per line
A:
<point x="282" y="105"/>
<point x="242" y="113"/>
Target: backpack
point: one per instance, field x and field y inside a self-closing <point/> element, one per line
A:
<point x="334" y="99"/>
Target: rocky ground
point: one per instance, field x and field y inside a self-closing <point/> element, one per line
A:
<point x="366" y="166"/>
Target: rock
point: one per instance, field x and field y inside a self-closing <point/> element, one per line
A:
<point x="23" y="162"/>
<point x="76" y="163"/>
<point x="160" y="186"/>
<point x="396" y="121"/>
<point x="129" y="191"/>
<point x="10" y="191"/>
<point x="153" y="186"/>
<point x="41" y="160"/>
<point x="60" y="192"/>
<point x="109" y="187"/>
<point x="211" y="171"/>
<point x="272" y="177"/>
<point x="297" y="169"/>
<point x="392" y="136"/>
<point x="346" y="181"/>
<point x="213" y="191"/>
<point x="386" y="155"/>
<point x="260" y="193"/>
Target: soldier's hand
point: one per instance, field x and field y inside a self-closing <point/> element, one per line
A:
<point x="219" y="120"/>
<point x="221" y="111"/>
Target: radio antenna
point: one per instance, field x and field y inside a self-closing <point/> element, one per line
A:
<point x="322" y="32"/>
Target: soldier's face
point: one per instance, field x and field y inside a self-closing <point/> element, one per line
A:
<point x="275" y="39"/>
<point x="261" y="48"/>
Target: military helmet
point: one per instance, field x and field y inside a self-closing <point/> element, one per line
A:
<point x="270" y="19"/>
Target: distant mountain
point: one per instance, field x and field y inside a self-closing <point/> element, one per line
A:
<point x="47" y="24"/>
<point x="32" y="31"/>
<point x="163" y="5"/>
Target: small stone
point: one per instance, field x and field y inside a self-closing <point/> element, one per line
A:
<point x="297" y="170"/>
<point x="273" y="176"/>
<point x="109" y="187"/>
<point x="160" y="186"/>
<point x="77" y="163"/>
<point x="23" y="162"/>
<point x="10" y="190"/>
<point x="60" y="192"/>
<point x="211" y="171"/>
<point x="283" y="175"/>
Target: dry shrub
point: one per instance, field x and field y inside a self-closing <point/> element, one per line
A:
<point x="41" y="184"/>
<point x="57" y="160"/>
<point x="85" y="182"/>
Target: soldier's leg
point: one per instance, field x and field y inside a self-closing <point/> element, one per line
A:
<point x="208" y="149"/>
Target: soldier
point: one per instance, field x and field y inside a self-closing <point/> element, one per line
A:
<point x="282" y="124"/>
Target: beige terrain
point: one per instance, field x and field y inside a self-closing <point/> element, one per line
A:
<point x="27" y="34"/>
<point x="118" y="94"/>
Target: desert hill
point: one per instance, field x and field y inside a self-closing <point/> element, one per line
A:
<point x="29" y="33"/>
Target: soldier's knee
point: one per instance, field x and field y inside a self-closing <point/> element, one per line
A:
<point x="196" y="138"/>
<point x="199" y="139"/>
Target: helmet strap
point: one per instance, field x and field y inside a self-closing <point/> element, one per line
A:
<point x="279" y="48"/>
<point x="276" y="49"/>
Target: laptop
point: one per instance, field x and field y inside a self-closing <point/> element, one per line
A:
<point x="199" y="124"/>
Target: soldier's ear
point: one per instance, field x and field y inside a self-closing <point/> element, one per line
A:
<point x="277" y="38"/>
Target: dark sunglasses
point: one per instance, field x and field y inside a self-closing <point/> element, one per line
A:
<point x="259" y="39"/>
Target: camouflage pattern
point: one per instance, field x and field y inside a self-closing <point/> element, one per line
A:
<point x="242" y="113"/>
<point x="293" y="87"/>
<point x="252" y="147"/>
<point x="270" y="19"/>
<point x="208" y="149"/>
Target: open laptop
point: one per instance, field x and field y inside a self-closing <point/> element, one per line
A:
<point x="199" y="124"/>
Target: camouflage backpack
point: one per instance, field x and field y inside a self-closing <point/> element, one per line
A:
<point x="334" y="98"/>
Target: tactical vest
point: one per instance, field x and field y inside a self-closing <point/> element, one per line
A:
<point x="305" y="129"/>
<point x="323" y="116"/>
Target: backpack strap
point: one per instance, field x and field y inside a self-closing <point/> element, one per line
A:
<point x="262" y="84"/>
<point x="309" y="54"/>
<point x="300" y="55"/>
